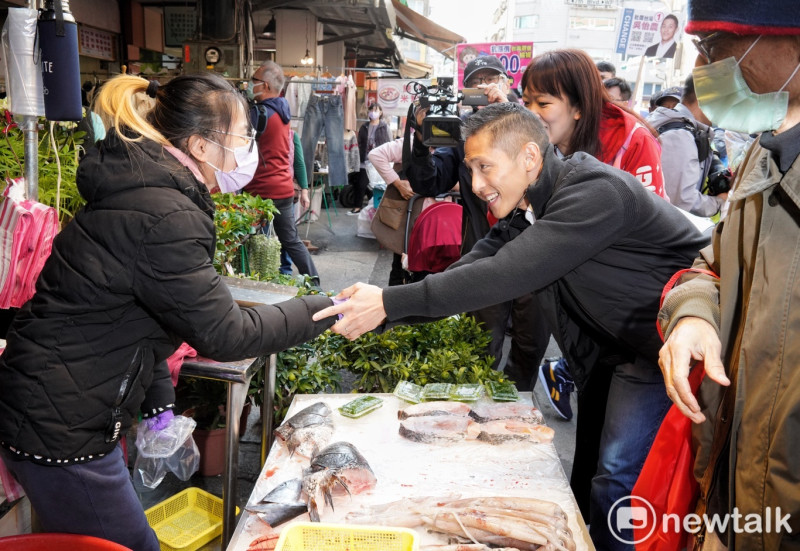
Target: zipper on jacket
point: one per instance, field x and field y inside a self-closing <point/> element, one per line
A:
<point x="115" y="424"/>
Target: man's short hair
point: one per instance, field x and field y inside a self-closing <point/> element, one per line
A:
<point x="510" y="127"/>
<point x="273" y="75"/>
<point x="673" y="17"/>
<point x="624" y="87"/>
<point x="606" y="67"/>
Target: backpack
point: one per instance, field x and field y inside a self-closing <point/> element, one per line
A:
<point x="702" y="134"/>
<point x="702" y="139"/>
<point x="259" y="115"/>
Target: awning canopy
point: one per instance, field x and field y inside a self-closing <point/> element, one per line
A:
<point x="368" y="27"/>
<point x="418" y="27"/>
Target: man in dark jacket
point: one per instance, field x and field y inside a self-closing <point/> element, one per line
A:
<point x="595" y="246"/>
<point x="431" y="174"/>
<point x="273" y="179"/>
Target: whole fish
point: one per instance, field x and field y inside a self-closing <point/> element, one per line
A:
<point x="281" y="504"/>
<point x="339" y="463"/>
<point x="307" y="431"/>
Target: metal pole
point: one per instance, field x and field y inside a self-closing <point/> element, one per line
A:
<point x="31" y="135"/>
<point x="267" y="410"/>
<point x="236" y="395"/>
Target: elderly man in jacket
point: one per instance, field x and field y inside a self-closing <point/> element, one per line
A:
<point x="742" y="326"/>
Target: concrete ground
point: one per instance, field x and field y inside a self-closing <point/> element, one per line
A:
<point x="342" y="259"/>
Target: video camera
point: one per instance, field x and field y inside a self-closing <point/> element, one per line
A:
<point x="442" y="125"/>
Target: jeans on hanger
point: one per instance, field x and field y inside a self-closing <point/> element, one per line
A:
<point x="325" y="113"/>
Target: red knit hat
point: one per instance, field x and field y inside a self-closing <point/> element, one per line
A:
<point x="747" y="17"/>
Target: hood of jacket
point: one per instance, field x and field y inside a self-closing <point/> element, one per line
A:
<point x="116" y="167"/>
<point x="663" y="115"/>
<point x="281" y="106"/>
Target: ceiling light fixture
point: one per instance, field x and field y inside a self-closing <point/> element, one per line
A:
<point x="307" y="59"/>
<point x="269" y="30"/>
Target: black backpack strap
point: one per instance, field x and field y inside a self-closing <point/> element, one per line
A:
<point x="259" y="115"/>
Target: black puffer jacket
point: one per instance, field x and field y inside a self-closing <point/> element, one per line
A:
<point x="128" y="279"/>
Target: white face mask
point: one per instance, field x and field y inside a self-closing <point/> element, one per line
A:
<point x="729" y="103"/>
<point x="246" y="164"/>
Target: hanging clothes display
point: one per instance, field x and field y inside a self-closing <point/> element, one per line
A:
<point x="349" y="94"/>
<point x="351" y="152"/>
<point x="298" y="90"/>
<point x="325" y="113"/>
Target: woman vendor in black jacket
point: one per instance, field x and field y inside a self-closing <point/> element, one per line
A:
<point x="128" y="280"/>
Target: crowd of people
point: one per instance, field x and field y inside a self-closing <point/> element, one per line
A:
<point x="577" y="211"/>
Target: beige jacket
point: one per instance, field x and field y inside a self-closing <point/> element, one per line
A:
<point x="756" y="307"/>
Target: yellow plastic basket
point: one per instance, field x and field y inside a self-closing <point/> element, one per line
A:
<point x="315" y="536"/>
<point x="186" y="521"/>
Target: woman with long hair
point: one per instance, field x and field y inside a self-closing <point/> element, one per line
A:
<point x="564" y="88"/>
<point x="129" y="279"/>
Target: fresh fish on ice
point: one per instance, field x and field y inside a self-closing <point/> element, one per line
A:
<point x="434" y="409"/>
<point x="483" y="412"/>
<point x="339" y="463"/>
<point x="307" y="431"/>
<point x="435" y="428"/>
<point x="281" y="504"/>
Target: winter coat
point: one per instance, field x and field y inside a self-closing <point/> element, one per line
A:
<point x="599" y="254"/>
<point x="273" y="177"/>
<point x="756" y="307"/>
<point x="641" y="157"/>
<point x="128" y="280"/>
<point x="684" y="171"/>
<point x="382" y="135"/>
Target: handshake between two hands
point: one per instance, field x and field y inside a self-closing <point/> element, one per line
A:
<point x="359" y="308"/>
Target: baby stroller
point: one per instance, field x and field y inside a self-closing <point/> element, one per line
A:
<point x="433" y="238"/>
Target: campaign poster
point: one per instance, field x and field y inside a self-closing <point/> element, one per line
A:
<point x="395" y="94"/>
<point x="514" y="56"/>
<point x="648" y="33"/>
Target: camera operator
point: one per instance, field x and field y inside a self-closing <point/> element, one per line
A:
<point x="433" y="173"/>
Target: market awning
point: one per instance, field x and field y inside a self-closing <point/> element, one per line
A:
<point x="418" y="27"/>
<point x="414" y="69"/>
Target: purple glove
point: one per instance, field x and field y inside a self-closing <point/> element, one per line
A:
<point x="160" y="421"/>
<point x="338" y="301"/>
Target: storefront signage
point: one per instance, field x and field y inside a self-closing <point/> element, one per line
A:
<point x="395" y="95"/>
<point x="514" y="56"/>
<point x="96" y="43"/>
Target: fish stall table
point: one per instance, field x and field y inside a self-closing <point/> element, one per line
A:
<point x="407" y="469"/>
<point x="237" y="375"/>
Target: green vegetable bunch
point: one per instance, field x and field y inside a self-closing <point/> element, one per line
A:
<point x="237" y="217"/>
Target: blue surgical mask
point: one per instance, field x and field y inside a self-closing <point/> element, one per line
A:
<point x="246" y="164"/>
<point x="251" y="89"/>
<point x="727" y="100"/>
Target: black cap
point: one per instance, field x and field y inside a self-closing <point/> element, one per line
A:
<point x="673" y="92"/>
<point x="481" y="63"/>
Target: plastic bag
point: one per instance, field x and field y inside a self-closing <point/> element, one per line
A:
<point x="375" y="180"/>
<point x="171" y="449"/>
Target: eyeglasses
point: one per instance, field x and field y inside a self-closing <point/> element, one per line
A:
<point x="702" y="44"/>
<point x="250" y="139"/>
<point x="474" y="81"/>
